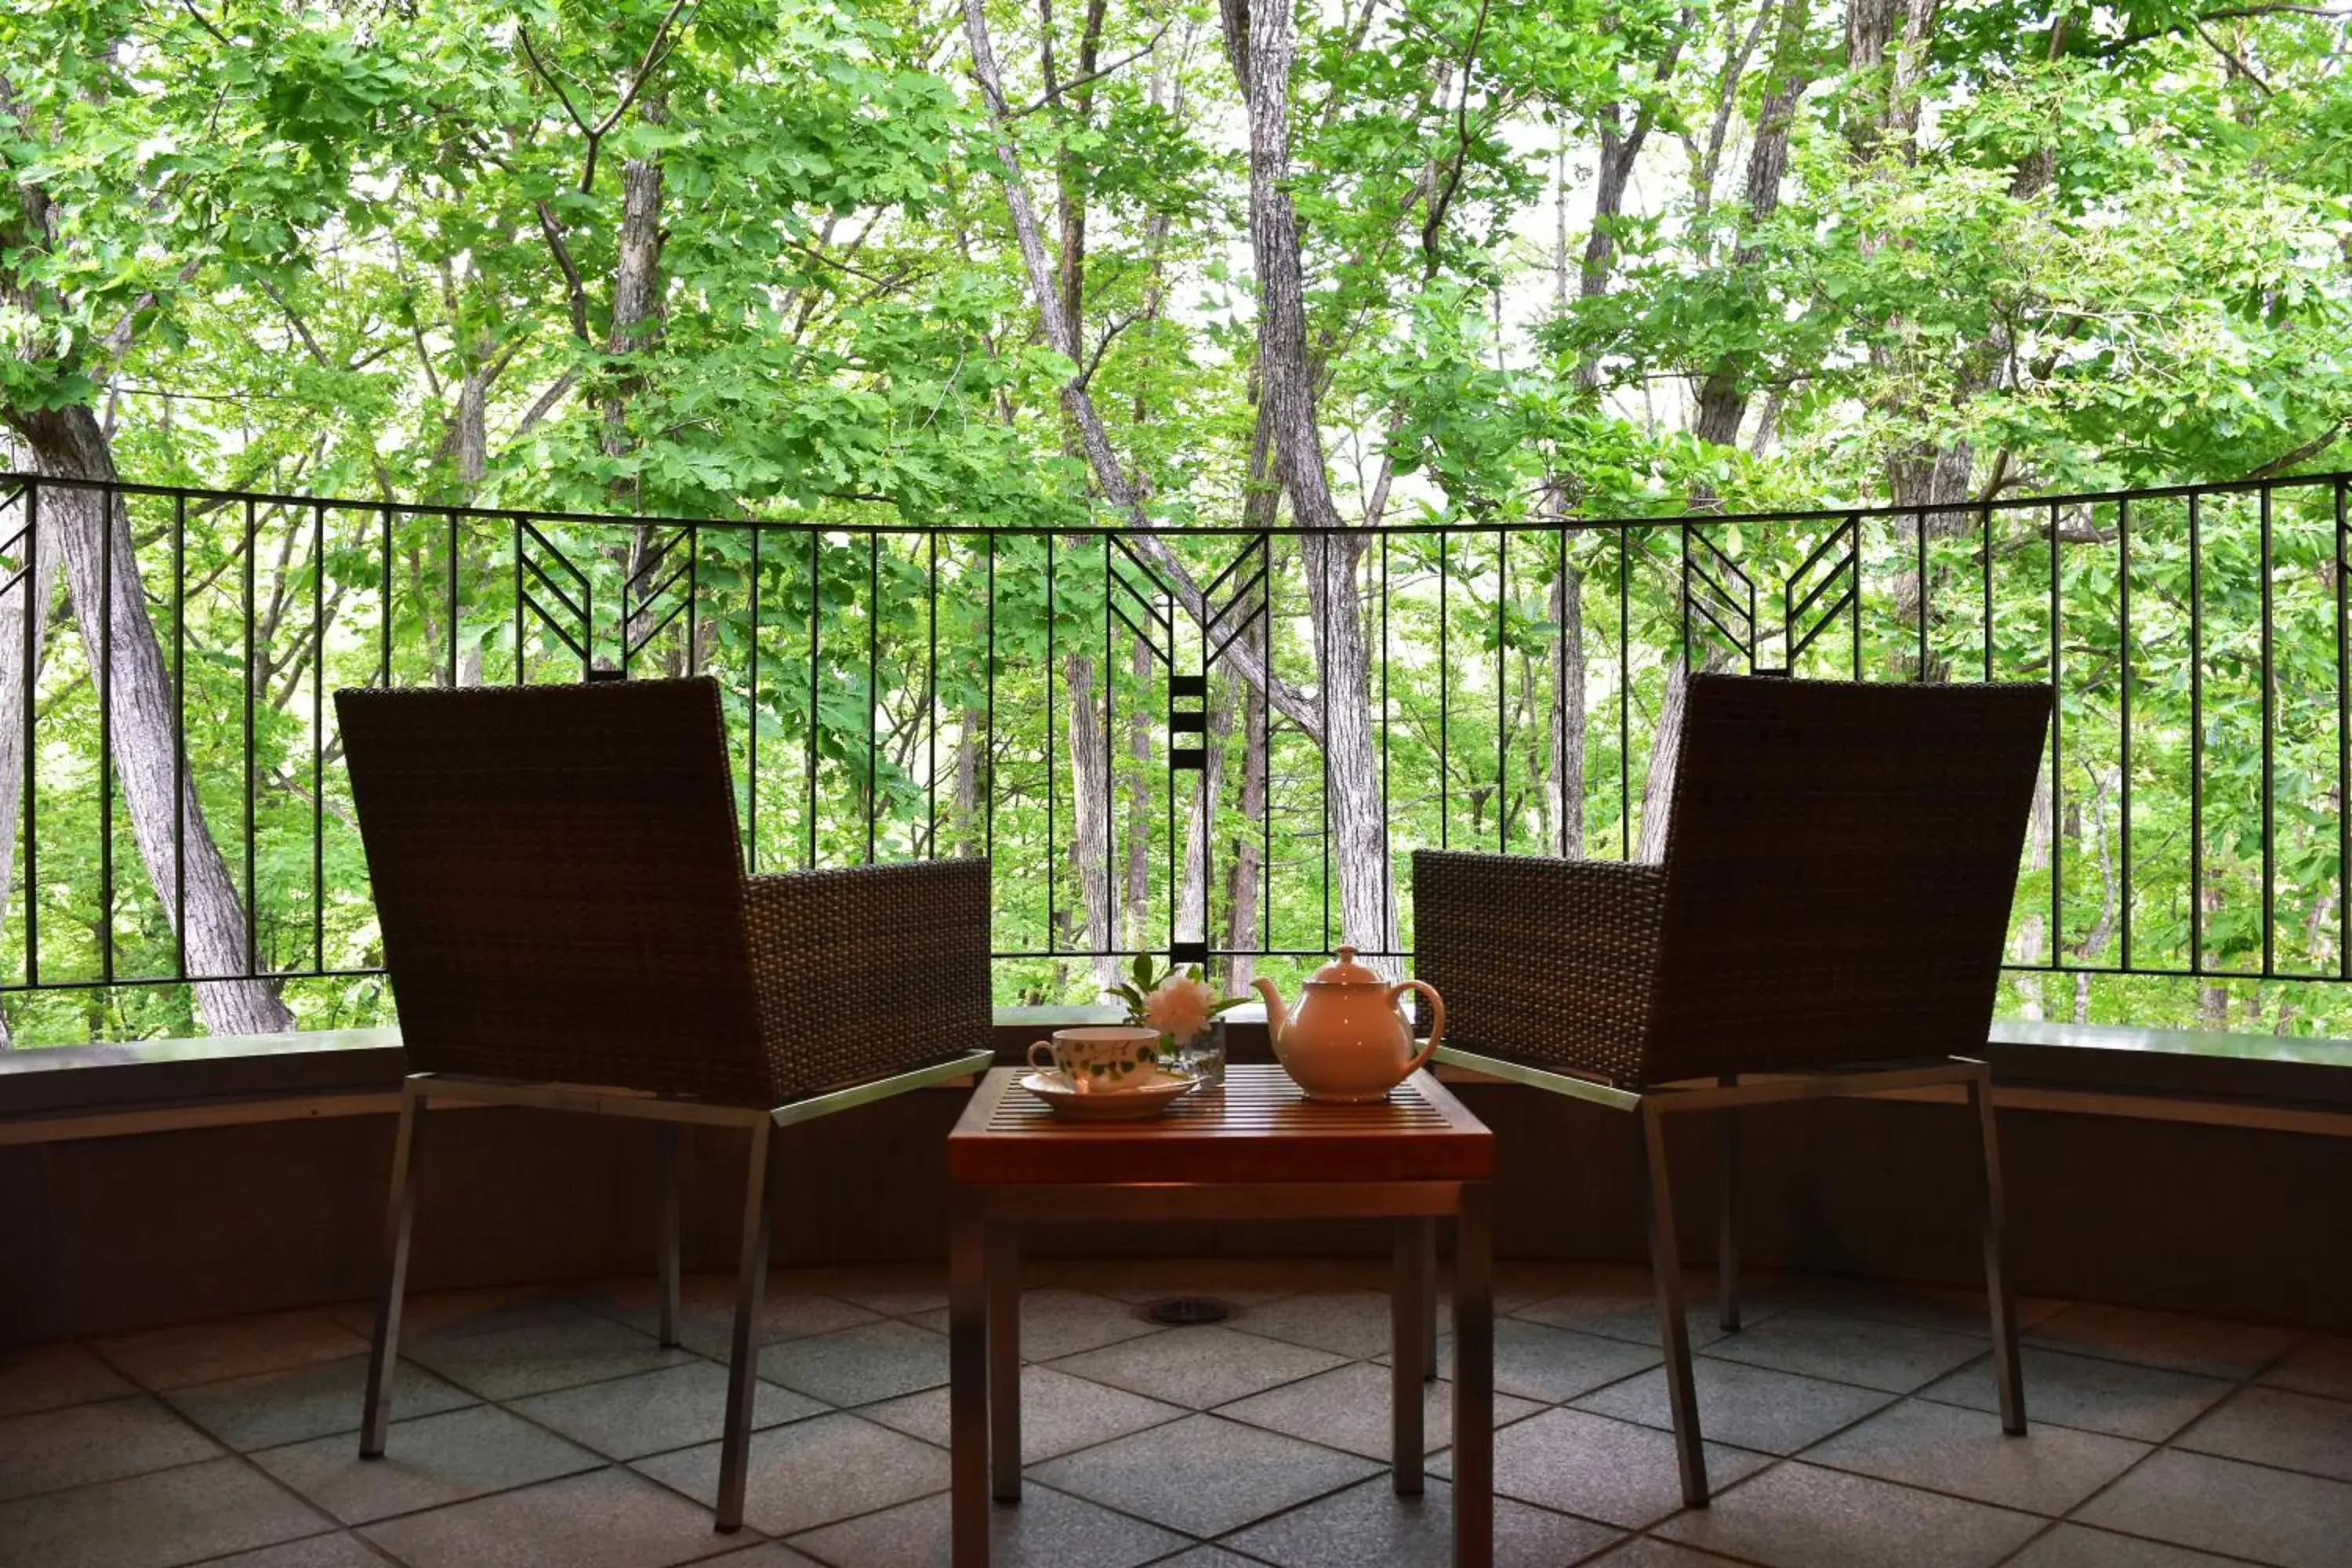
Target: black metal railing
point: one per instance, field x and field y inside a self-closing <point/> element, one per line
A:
<point x="1171" y="741"/>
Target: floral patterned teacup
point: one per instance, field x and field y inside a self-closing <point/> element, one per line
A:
<point x="1101" y="1059"/>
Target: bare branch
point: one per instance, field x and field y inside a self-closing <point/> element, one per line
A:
<point x="1444" y="197"/>
<point x="1093" y="75"/>
<point x="575" y="291"/>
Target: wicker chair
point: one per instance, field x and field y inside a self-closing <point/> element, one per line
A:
<point x="1835" y="890"/>
<point x="567" y="925"/>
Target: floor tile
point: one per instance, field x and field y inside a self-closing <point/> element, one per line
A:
<point x="1347" y="1323"/>
<point x="2276" y="1426"/>
<point x="2322" y="1366"/>
<point x="151" y="1521"/>
<point x="676" y="1408"/>
<point x="895" y="1290"/>
<point x="229" y="1347"/>
<point x="1207" y="1557"/>
<point x="1048" y="1527"/>
<point x="1937" y="1307"/>
<point x="336" y="1550"/>
<point x="269" y="1409"/>
<point x="1618" y="1301"/>
<point x="706" y="1320"/>
<point x="1945" y="1448"/>
<point x="1747" y="1406"/>
<point x="856" y="1366"/>
<point x="2115" y="1398"/>
<point x="767" y="1554"/>
<point x="1535" y="1361"/>
<point x="1348" y="1408"/>
<point x="1895" y="1357"/>
<point x="507" y="1364"/>
<point x="1203" y="1474"/>
<point x="1649" y="1551"/>
<point x="1371" y="1524"/>
<point x="451" y="1312"/>
<point x="1610" y="1470"/>
<point x="1055" y="1323"/>
<point x="1796" y="1515"/>
<point x="2078" y="1546"/>
<point x="1239" y="1281"/>
<point x="86" y="1443"/>
<point x="426" y="1462"/>
<point x="1199" y="1367"/>
<point x="2223" y="1506"/>
<point x="2201" y="1345"/>
<point x="811" y="1473"/>
<point x="49" y="1377"/>
<point x="1059" y="1414"/>
<point x="605" y="1519"/>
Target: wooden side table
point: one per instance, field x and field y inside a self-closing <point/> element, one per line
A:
<point x="1256" y="1148"/>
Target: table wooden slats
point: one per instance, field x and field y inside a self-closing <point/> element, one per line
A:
<point x="1258" y="1128"/>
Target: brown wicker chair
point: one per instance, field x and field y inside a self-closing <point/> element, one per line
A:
<point x="567" y="925"/>
<point x="1839" y="867"/>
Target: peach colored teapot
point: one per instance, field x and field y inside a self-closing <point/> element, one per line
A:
<point x="1349" y="1042"/>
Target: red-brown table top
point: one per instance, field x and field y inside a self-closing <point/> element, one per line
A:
<point x="1258" y="1128"/>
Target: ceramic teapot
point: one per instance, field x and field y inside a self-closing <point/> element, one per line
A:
<point x="1349" y="1043"/>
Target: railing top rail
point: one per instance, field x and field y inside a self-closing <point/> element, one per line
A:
<point x="1552" y="524"/>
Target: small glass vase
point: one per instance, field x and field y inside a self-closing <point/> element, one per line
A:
<point x="1203" y="1055"/>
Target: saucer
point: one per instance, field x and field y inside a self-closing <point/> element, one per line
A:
<point x="1147" y="1099"/>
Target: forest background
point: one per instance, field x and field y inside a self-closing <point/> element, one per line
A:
<point x="845" y="265"/>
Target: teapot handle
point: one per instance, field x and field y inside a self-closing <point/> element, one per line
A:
<point x="1436" y="1021"/>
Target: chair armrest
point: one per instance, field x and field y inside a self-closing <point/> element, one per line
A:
<point x="869" y="971"/>
<point x="1549" y="962"/>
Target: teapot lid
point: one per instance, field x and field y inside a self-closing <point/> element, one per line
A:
<point x="1348" y="972"/>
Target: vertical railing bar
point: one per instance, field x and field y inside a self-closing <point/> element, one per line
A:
<point x="1683" y="595"/>
<point x="453" y="605"/>
<point x="2124" y="720"/>
<point x="873" y="685"/>
<point x="180" y="732"/>
<point x="693" y="600"/>
<point x="987" y="812"/>
<point x="1112" y="880"/>
<point x="1569" y="811"/>
<point x="252" y="902"/>
<point x="816" y="596"/>
<point x="2342" y="749"/>
<point x="109" y="499"/>
<point x="1388" y="832"/>
<point x="1624" y="701"/>
<point x="1854" y="599"/>
<point x="35" y="612"/>
<point x="2057" y="762"/>
<point x="1265" y="752"/>
<point x="1988" y="591"/>
<point x="1200" y="786"/>
<point x="931" y="703"/>
<point x="516" y="524"/>
<point x="383" y="618"/>
<point x="319" y="730"/>
<point x="2196" y="738"/>
<point x="1502" y="689"/>
<point x="1327" y="590"/>
<point x="751" y="726"/>
<point x="1754" y="633"/>
<point x="1919" y="527"/>
<point x="1445" y="714"/>
<point x="2270" y="765"/>
<point x="1051" y="942"/>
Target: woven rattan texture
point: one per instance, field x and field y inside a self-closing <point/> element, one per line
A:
<point x="870" y="971"/>
<point x="1840" y="865"/>
<point x="560" y="886"/>
<point x="1546" y="961"/>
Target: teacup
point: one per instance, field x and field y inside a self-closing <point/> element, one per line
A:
<point x="1101" y="1058"/>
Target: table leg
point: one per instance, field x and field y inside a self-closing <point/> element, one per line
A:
<point x="968" y="1378"/>
<point x="1408" y="1350"/>
<point x="1004" y="1360"/>
<point x="1474" y="1380"/>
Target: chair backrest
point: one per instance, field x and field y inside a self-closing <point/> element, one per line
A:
<point x="1840" y="869"/>
<point x="559" y="883"/>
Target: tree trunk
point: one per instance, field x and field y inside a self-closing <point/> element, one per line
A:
<point x="1243" y="867"/>
<point x="1139" y="805"/>
<point x="110" y="608"/>
<point x="1330" y="552"/>
<point x="1565" y="782"/>
<point x="1090" y="813"/>
<point x="969" y="838"/>
<point x="35" y="595"/>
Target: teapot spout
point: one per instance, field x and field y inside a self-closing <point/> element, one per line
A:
<point x="1276" y="1015"/>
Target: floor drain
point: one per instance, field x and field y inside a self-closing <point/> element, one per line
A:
<point x="1187" y="1311"/>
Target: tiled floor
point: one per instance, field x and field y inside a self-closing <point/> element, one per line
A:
<point x="1848" y="1424"/>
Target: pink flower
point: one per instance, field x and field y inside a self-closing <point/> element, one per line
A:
<point x="1180" y="1008"/>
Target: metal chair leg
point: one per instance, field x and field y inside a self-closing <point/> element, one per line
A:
<point x="742" y="1362"/>
<point x="383" y="1345"/>
<point x="1429" y="1302"/>
<point x="669" y="1149"/>
<point x="2007" y="1371"/>
<point x="1673" y="1328"/>
<point x="1004" y="1246"/>
<point x="1727" y="1244"/>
